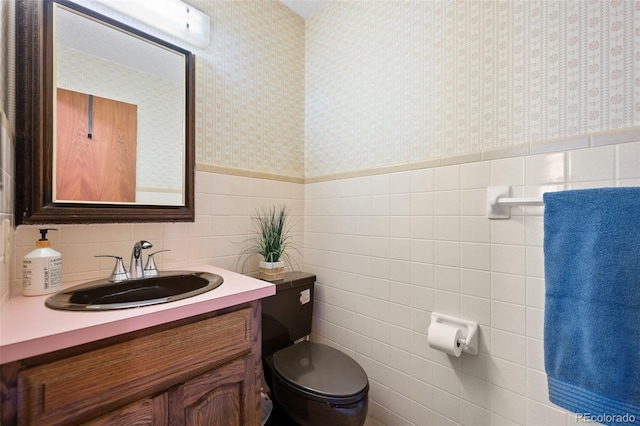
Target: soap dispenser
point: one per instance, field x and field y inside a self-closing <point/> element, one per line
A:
<point x="42" y="268"/>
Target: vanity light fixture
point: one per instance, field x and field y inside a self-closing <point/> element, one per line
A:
<point x="173" y="17"/>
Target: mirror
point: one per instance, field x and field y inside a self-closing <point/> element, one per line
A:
<point x="106" y="129"/>
<point x="118" y="115"/>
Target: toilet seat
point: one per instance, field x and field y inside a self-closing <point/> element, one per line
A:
<point x="321" y="373"/>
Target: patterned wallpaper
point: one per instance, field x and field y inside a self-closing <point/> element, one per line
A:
<point x="7" y="62"/>
<point x="250" y="105"/>
<point x="392" y="82"/>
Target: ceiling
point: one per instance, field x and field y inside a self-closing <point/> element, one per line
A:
<point x="105" y="41"/>
<point x="305" y="8"/>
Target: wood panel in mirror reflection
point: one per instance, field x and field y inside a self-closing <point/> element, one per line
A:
<point x="110" y="185"/>
<point x="95" y="148"/>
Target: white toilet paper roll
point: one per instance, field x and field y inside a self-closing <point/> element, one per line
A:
<point x="443" y="337"/>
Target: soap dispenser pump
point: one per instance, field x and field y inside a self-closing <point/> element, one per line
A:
<point x="42" y="268"/>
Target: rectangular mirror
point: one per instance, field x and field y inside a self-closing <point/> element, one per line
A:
<point x="108" y="120"/>
<point x="119" y="115"/>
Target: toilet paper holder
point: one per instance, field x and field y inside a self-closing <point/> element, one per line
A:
<point x="469" y="329"/>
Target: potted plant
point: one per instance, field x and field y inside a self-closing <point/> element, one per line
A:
<point x="271" y="240"/>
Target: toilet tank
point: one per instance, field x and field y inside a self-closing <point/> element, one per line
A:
<point x="287" y="315"/>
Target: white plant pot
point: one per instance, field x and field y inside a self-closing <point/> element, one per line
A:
<point x="271" y="271"/>
<point x="271" y="265"/>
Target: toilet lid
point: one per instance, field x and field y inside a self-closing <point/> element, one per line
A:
<point x="320" y="369"/>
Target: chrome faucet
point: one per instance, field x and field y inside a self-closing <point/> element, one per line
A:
<point x="135" y="268"/>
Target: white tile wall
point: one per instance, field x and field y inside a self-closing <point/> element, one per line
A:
<point x="224" y="206"/>
<point x="454" y="260"/>
<point x="6" y="211"/>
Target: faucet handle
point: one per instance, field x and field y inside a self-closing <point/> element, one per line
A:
<point x="150" y="269"/>
<point x="119" y="273"/>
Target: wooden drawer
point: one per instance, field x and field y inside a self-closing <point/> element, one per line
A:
<point x="81" y="387"/>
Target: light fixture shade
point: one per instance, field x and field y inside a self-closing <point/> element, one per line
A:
<point x="172" y="17"/>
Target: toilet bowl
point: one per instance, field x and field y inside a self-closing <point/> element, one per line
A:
<point x="312" y="383"/>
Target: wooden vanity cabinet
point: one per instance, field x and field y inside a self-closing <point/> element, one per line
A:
<point x="203" y="370"/>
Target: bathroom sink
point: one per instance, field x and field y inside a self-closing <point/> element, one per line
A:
<point x="103" y="295"/>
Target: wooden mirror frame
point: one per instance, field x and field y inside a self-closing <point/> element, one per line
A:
<point x="34" y="129"/>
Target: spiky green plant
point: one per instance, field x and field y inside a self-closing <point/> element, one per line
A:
<point x="272" y="235"/>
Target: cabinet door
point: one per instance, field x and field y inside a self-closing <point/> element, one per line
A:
<point x="225" y="396"/>
<point x="149" y="411"/>
<point x="89" y="384"/>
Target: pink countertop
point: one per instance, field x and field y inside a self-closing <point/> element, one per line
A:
<point x="29" y="328"/>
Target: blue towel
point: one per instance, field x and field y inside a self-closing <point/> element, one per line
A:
<point x="592" y="302"/>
